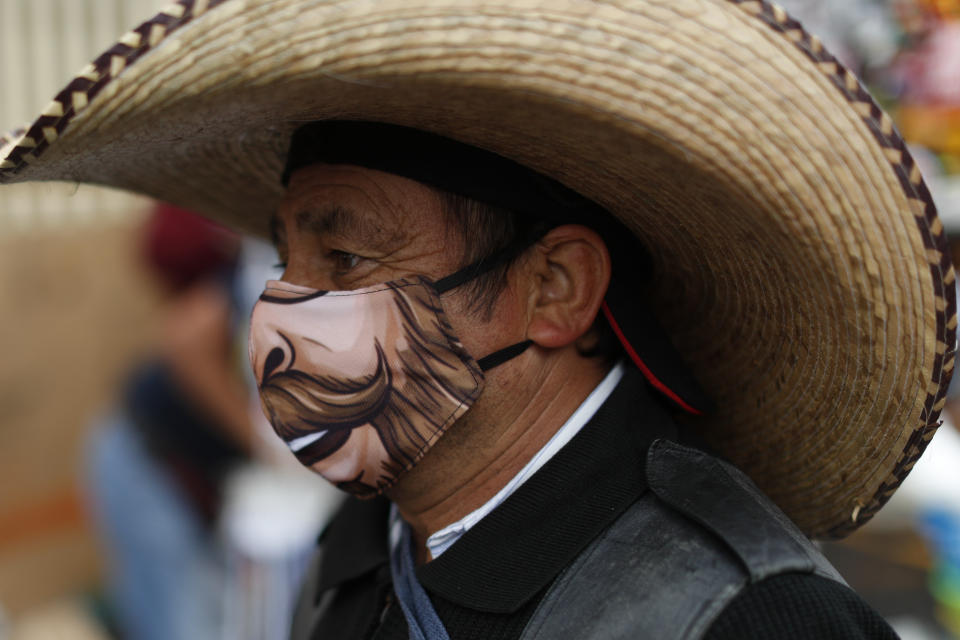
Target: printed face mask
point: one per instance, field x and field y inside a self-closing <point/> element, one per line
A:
<point x="360" y="384"/>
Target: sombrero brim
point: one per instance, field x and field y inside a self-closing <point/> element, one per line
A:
<point x="800" y="265"/>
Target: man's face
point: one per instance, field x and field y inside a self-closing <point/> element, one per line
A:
<point x="344" y="228"/>
<point x="341" y="228"/>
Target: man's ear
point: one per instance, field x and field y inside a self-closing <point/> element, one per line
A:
<point x="571" y="271"/>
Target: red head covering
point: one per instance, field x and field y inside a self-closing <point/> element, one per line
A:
<point x="183" y="248"/>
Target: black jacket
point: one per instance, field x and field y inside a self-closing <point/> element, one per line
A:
<point x="489" y="584"/>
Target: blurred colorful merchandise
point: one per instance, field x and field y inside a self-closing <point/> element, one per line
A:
<point x="916" y="17"/>
<point x="929" y="113"/>
<point x="942" y="529"/>
<point x="931" y="71"/>
<point x="934" y="127"/>
<point x="941" y="9"/>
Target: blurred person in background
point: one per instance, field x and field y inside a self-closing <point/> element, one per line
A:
<point x="201" y="540"/>
<point x="158" y="463"/>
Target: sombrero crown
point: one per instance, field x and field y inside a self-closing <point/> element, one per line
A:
<point x="800" y="265"/>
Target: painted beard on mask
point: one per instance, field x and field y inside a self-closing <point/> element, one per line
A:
<point x="298" y="403"/>
<point x="360" y="384"/>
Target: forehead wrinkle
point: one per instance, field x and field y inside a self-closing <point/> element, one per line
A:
<point x="338" y="220"/>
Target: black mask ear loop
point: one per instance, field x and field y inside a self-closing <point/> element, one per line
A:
<point x="497" y="358"/>
<point x="481" y="267"/>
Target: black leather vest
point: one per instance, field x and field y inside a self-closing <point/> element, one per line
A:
<point x="668" y="566"/>
<point x="671" y="563"/>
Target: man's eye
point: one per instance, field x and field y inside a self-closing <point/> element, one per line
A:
<point x="344" y="261"/>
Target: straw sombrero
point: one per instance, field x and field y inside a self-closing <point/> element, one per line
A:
<point x="801" y="268"/>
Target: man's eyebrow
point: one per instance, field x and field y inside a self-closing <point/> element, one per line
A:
<point x="337" y="220"/>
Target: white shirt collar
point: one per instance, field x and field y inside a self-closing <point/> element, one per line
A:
<point x="444" y="538"/>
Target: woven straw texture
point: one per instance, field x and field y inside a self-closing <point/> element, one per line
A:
<point x="801" y="268"/>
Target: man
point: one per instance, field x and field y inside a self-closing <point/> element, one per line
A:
<point x="481" y="205"/>
<point x="549" y="458"/>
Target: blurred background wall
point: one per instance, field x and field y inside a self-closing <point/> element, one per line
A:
<point x="75" y="310"/>
<point x="43" y="43"/>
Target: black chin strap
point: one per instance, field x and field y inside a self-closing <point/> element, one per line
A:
<point x="497" y="358"/>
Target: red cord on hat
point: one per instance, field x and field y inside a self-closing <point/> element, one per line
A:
<point x="637" y="360"/>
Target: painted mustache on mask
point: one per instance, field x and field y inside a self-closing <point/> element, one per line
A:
<point x="299" y="404"/>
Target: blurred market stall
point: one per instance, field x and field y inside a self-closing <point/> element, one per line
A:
<point x="908" y="52"/>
